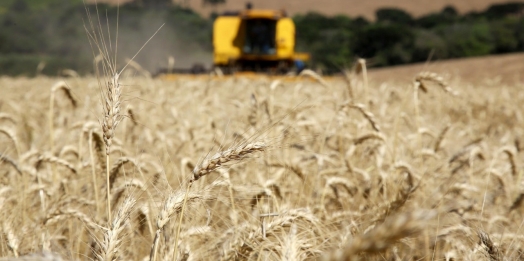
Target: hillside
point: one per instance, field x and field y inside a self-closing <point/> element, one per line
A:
<point x="347" y="7"/>
<point x="493" y="68"/>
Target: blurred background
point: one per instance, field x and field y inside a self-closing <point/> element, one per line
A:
<point x="48" y="36"/>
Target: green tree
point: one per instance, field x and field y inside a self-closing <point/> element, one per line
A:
<point x="467" y="39"/>
<point x="394" y="16"/>
<point x="387" y="44"/>
<point x="504" y="35"/>
<point x="447" y="16"/>
<point x="428" y="42"/>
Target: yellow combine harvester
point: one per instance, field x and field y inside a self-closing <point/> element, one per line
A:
<point x="256" y="40"/>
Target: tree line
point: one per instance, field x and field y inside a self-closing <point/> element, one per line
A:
<point x="52" y="32"/>
<point x="396" y="37"/>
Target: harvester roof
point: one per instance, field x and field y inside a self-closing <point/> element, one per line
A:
<point x="262" y="14"/>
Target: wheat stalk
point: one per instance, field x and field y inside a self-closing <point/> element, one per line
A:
<point x="13" y="242"/>
<point x="223" y="157"/>
<point x="493" y="252"/>
<point x="52" y="159"/>
<point x="253" y="112"/>
<point x="43" y="256"/>
<point x="10" y="133"/>
<point x="61" y="85"/>
<point x="315" y="76"/>
<point x="367" y="114"/>
<point x="362" y="66"/>
<point x="65" y="213"/>
<point x="369" y="136"/>
<point x="112" y="237"/>
<point x="510" y="152"/>
<point x="173" y="204"/>
<point x="435" y="78"/>
<point x="440" y="138"/>
<point x="113" y="173"/>
<point x="6" y="159"/>
<point x="7" y="117"/>
<point x="112" y="118"/>
<point x="384" y="235"/>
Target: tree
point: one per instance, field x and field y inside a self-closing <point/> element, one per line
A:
<point x="388" y="44"/>
<point x="394" y="15"/>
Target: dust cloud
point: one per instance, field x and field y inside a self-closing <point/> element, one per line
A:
<point x="134" y="32"/>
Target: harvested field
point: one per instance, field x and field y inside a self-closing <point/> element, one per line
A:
<point x="259" y="168"/>
<point x="491" y="70"/>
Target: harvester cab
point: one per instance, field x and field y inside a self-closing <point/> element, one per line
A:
<point x="256" y="40"/>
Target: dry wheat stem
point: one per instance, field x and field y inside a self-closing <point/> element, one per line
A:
<point x="93" y="169"/>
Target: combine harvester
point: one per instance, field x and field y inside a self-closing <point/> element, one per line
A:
<point x="253" y="41"/>
<point x="256" y="40"/>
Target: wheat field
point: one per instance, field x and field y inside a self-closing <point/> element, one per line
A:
<point x="261" y="168"/>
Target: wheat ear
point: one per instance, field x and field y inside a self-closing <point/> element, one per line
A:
<point x="6" y="159"/>
<point x="12" y="240"/>
<point x="11" y="135"/>
<point x="367" y="114"/>
<point x="435" y="78"/>
<point x="493" y="251"/>
<point x="52" y="159"/>
<point x="61" y="85"/>
<point x="112" y="236"/>
<point x="315" y="76"/>
<point x="237" y="153"/>
<point x="362" y="64"/>
<point x="7" y="117"/>
<point x="172" y="205"/>
<point x="510" y="152"/>
<point x="212" y="163"/>
<point x="112" y="118"/>
<point x="253" y="111"/>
